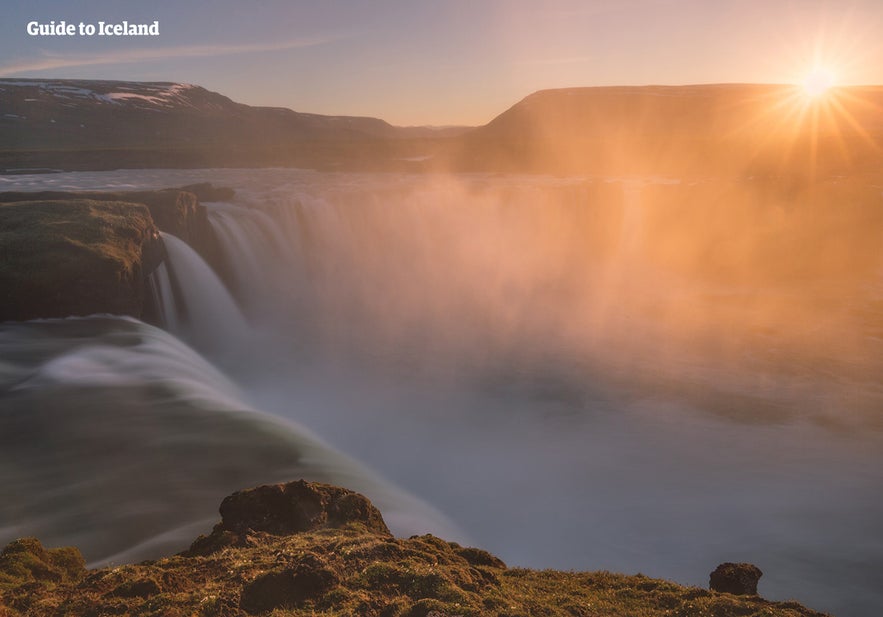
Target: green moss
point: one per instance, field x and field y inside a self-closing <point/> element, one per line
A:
<point x="26" y="561"/>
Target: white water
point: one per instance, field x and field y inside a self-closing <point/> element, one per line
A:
<point x="119" y="439"/>
<point x="537" y="380"/>
<point x="161" y="287"/>
<point x="207" y="315"/>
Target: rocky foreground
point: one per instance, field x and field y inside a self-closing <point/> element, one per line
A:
<point x="305" y="548"/>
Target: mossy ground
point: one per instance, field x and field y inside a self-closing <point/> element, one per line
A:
<point x="353" y="571"/>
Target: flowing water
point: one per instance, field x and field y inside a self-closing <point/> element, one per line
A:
<point x="529" y="355"/>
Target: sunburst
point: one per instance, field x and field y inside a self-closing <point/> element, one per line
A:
<point x="811" y="124"/>
<point x="818" y="82"/>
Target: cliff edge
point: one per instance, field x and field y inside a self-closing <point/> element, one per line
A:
<point x="305" y="548"/>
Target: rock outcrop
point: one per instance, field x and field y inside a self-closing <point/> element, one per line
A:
<point x="206" y="191"/>
<point x="175" y="211"/>
<point x="311" y="549"/>
<point x="282" y="509"/>
<point x="74" y="257"/>
<point x="68" y="253"/>
<point x="736" y="578"/>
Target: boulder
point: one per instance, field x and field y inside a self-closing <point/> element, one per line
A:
<point x="296" y="507"/>
<point x="284" y="509"/>
<point x="736" y="578"/>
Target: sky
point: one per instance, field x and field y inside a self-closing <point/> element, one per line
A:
<point x="445" y="62"/>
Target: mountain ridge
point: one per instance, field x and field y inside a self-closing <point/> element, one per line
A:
<point x="746" y="129"/>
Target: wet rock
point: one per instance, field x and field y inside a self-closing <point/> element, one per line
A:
<point x="736" y="578"/>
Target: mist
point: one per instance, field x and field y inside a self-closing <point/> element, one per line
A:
<point x="631" y="373"/>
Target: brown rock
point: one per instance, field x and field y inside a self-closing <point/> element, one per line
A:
<point x="284" y="509"/>
<point x="74" y="257"/>
<point x="296" y="507"/>
<point x="736" y="578"/>
<point x="206" y="191"/>
<point x="175" y="211"/>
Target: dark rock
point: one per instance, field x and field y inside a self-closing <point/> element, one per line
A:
<point x="288" y="588"/>
<point x="297" y="507"/>
<point x="206" y="191"/>
<point x="283" y="509"/>
<point x="153" y="252"/>
<point x="174" y="211"/>
<point x="74" y="257"/>
<point x="736" y="578"/>
<point x="80" y="269"/>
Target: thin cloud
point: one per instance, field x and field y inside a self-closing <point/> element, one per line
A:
<point x="51" y="61"/>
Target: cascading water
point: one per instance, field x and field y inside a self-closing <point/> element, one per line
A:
<point x="119" y="439"/>
<point x="499" y="344"/>
<point x="207" y="315"/>
<point x="160" y="284"/>
<point x="251" y="240"/>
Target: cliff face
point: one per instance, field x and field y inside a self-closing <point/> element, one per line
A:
<point x="304" y="548"/>
<point x="74" y="257"/>
<point x="66" y="253"/>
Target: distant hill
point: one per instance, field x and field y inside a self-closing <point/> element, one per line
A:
<point x="672" y="129"/>
<point x="83" y="124"/>
<point x="704" y="129"/>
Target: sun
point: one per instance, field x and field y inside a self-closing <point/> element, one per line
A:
<point x="817" y="83"/>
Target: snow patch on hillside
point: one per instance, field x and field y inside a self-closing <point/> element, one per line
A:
<point x="155" y="94"/>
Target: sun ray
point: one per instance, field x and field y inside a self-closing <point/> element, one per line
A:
<point x="818" y="82"/>
<point x="787" y="129"/>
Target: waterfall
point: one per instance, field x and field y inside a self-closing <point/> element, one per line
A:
<point x="251" y="240"/>
<point x="540" y="340"/>
<point x="160" y="284"/>
<point x="207" y="314"/>
<point x="133" y="439"/>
